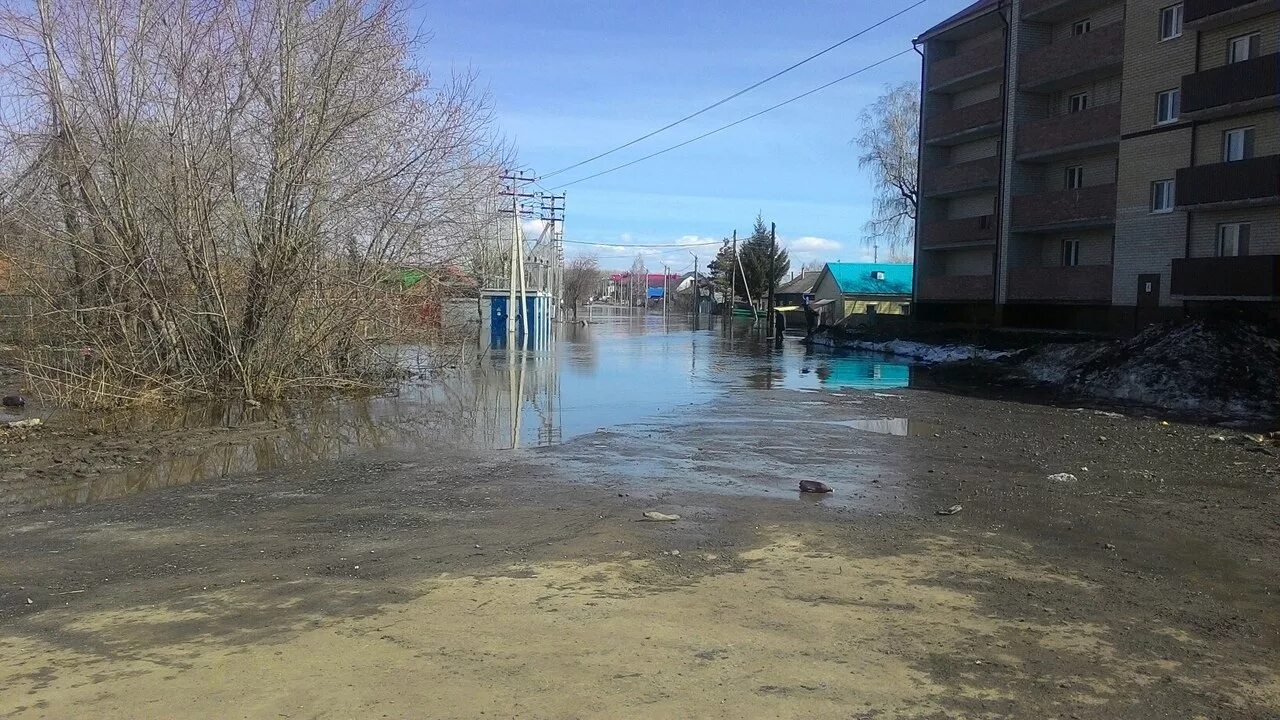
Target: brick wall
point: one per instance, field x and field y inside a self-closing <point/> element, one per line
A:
<point x="1098" y="17"/>
<point x="1098" y="170"/>
<point x="1264" y="236"/>
<point x="1146" y="242"/>
<point x="1095" y="247"/>
<point x="973" y="96"/>
<point x="1213" y="43"/>
<point x="1149" y="64"/>
<point x="971" y="206"/>
<point x="976" y="150"/>
<point x="967" y="262"/>
<point x="1266" y="135"/>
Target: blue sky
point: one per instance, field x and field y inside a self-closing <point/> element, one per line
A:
<point x="572" y="78"/>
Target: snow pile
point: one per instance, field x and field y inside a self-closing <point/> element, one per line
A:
<point x="926" y="353"/>
<point x="1210" y="366"/>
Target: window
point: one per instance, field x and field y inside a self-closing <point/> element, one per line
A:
<point x="871" y="308"/>
<point x="1233" y="239"/>
<point x="1070" y="253"/>
<point x="1167" y="103"/>
<point x="1081" y="27"/>
<point x="1237" y="144"/>
<point x="1075" y="177"/>
<point x="1244" y="47"/>
<point x="1077" y="102"/>
<point x="1162" y="196"/>
<point x="1171" y="22"/>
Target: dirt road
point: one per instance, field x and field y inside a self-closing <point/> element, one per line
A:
<point x="453" y="584"/>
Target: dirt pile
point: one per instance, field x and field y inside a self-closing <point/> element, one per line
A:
<point x="1216" y="367"/>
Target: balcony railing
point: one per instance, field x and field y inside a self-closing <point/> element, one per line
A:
<point x="1204" y="14"/>
<point x="974" y="230"/>
<point x="1244" y="182"/>
<point x="1074" y="60"/>
<point x="1237" y="87"/>
<point x="954" y="287"/>
<point x="964" y="123"/>
<point x="972" y="65"/>
<point x="1083" y="207"/>
<point x="1063" y="134"/>
<point x="1254" y="276"/>
<point x="1079" y="284"/>
<point x="962" y="177"/>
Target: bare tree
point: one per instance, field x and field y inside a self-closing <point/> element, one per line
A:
<point x="639" y="280"/>
<point x="580" y="276"/>
<point x="889" y="145"/>
<point x="220" y="195"/>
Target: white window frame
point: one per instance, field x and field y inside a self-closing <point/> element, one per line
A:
<point x="1174" y="13"/>
<point x="1172" y="99"/>
<point x="1081" y="27"/>
<point x="1075" y="172"/>
<point x="1233" y="43"/>
<point x="1071" y="253"/>
<point x="1243" y="133"/>
<point x="1162" y="197"/>
<point x="1083" y="97"/>
<point x="1229" y="237"/>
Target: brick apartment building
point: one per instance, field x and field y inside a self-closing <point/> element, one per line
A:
<point x="1099" y="164"/>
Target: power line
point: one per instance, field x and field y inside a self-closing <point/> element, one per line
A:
<point x="616" y="245"/>
<point x="737" y="122"/>
<point x="747" y="89"/>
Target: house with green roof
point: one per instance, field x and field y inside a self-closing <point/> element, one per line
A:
<point x="863" y="289"/>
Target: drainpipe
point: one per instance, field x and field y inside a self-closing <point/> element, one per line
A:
<point x="1005" y="94"/>
<point x="915" y="268"/>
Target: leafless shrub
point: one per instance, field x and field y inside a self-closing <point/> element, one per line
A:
<point x="217" y="195"/>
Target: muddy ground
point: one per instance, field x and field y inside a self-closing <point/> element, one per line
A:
<point x="448" y="583"/>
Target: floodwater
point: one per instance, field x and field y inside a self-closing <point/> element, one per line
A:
<point x="607" y="374"/>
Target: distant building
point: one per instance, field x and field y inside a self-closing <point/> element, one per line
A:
<point x="792" y="292"/>
<point x="863" y="289"/>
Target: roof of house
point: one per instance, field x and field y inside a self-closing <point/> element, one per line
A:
<point x="801" y="283"/>
<point x="976" y="8"/>
<point x="860" y="278"/>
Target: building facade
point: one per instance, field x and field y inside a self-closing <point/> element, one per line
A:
<point x="1099" y="164"/>
<point x="851" y="289"/>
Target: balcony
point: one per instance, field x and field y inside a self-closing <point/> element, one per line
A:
<point x="1065" y="209"/>
<point x="975" y="66"/>
<point x="959" y="232"/>
<point x="1080" y="284"/>
<point x="1073" y="61"/>
<point x="1246" y="276"/>
<point x="961" y="178"/>
<point x="1065" y="135"/>
<point x="1056" y="10"/>
<point x="1207" y="14"/>
<point x="954" y="287"/>
<point x="1232" y="89"/>
<point x="1245" y="182"/>
<point x="951" y="127"/>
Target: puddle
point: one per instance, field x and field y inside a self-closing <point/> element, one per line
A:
<point x="591" y="377"/>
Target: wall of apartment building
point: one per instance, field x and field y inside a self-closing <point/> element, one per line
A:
<point x="975" y="150"/>
<point x="1264" y="236"/>
<point x="975" y="95"/>
<point x="1213" y="43"/>
<point x="974" y="41"/>
<point x="1145" y="241"/>
<point x="975" y="261"/>
<point x="1098" y="17"/>
<point x="971" y="206"/>
<point x="1095" y="247"/>
<point x="1266" y="135"/>
<point x="1099" y="169"/>
<point x="1103" y="91"/>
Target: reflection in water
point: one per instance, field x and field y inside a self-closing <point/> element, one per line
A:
<point x="587" y="377"/>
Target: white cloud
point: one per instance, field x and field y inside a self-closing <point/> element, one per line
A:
<point x="532" y="228"/>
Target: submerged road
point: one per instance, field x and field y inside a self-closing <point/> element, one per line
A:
<point x="432" y="573"/>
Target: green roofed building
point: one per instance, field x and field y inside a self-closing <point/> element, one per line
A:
<point x="863" y="289"/>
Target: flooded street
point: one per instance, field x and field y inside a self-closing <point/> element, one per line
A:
<point x="473" y="546"/>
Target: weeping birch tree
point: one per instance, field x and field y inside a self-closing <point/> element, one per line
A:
<point x="216" y="196"/>
<point x="888" y="145"/>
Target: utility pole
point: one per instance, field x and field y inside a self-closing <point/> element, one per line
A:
<point x="773" y="271"/>
<point x="515" y="183"/>
<point x="554" y="214"/>
<point x="697" y="291"/>
<point x="666" y="271"/>
<point x="733" y="276"/>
